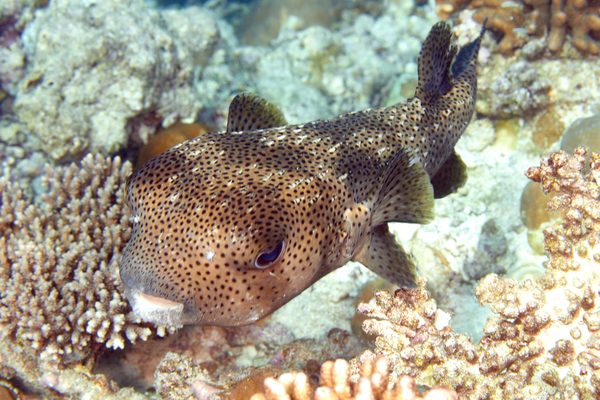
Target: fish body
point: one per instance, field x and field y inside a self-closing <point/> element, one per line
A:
<point x="232" y="225"/>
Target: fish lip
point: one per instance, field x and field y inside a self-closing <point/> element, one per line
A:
<point x="157" y="310"/>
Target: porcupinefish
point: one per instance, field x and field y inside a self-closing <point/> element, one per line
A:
<point x="230" y="226"/>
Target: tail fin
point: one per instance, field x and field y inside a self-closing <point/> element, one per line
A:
<point x="467" y="56"/>
<point x="438" y="64"/>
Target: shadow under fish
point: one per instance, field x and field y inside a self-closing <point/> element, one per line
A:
<point x="230" y="226"/>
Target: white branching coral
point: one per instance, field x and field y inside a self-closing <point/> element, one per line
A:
<point x="545" y="340"/>
<point x="60" y="291"/>
<point x="335" y="384"/>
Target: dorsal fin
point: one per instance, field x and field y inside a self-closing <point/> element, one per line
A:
<point x="404" y="193"/>
<point x="451" y="176"/>
<point x="249" y="112"/>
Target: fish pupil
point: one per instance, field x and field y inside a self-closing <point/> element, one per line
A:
<point x="265" y="260"/>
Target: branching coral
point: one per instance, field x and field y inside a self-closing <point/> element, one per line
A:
<point x="535" y="18"/>
<point x="60" y="291"/>
<point x="335" y="384"/>
<point x="415" y="336"/>
<point x="545" y="340"/>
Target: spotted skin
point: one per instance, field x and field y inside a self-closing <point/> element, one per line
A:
<point x="324" y="191"/>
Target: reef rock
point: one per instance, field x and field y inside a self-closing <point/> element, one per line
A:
<point x="94" y="66"/>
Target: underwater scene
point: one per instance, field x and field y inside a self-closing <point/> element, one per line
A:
<point x="299" y="199"/>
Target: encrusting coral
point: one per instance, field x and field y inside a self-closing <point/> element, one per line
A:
<point x="169" y="137"/>
<point x="519" y="20"/>
<point x="545" y="340"/>
<point x="60" y="291"/>
<point x="582" y="132"/>
<point x="335" y="384"/>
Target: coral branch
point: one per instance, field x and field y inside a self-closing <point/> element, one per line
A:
<point x="520" y="20"/>
<point x="335" y="384"/>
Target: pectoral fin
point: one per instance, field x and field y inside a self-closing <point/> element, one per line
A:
<point x="384" y="256"/>
<point x="451" y="176"/>
<point x="404" y="193"/>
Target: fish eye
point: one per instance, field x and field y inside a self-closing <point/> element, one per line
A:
<point x="269" y="257"/>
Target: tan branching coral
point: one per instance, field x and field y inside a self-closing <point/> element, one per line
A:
<point x="519" y="20"/>
<point x="60" y="291"/>
<point x="545" y="340"/>
<point x="417" y="339"/>
<point x="335" y="384"/>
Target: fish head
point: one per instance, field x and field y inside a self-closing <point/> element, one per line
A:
<point x="218" y="240"/>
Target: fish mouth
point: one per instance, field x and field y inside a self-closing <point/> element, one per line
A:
<point x="156" y="310"/>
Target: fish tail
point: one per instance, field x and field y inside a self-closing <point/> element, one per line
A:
<point x="467" y="56"/>
<point x="440" y="61"/>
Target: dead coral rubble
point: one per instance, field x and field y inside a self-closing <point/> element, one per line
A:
<point x="519" y="20"/>
<point x="335" y="384"/>
<point x="545" y="340"/>
<point x="60" y="290"/>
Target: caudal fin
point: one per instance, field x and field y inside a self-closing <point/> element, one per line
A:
<point x="467" y="56"/>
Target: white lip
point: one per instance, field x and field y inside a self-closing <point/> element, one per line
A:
<point x="156" y="310"/>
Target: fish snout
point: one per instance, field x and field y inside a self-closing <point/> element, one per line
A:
<point x="156" y="310"/>
<point x="146" y="304"/>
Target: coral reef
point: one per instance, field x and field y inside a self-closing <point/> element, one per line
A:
<point x="543" y="341"/>
<point x="36" y="379"/>
<point x="518" y="21"/>
<point x="266" y="18"/>
<point x="60" y="291"/>
<point x="372" y="384"/>
<point x="84" y="84"/>
<point x="264" y="21"/>
<point x="490" y="249"/>
<point x="14" y="16"/>
<point x="215" y="349"/>
<point x="12" y="59"/>
<point x="316" y="82"/>
<point x="180" y="375"/>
